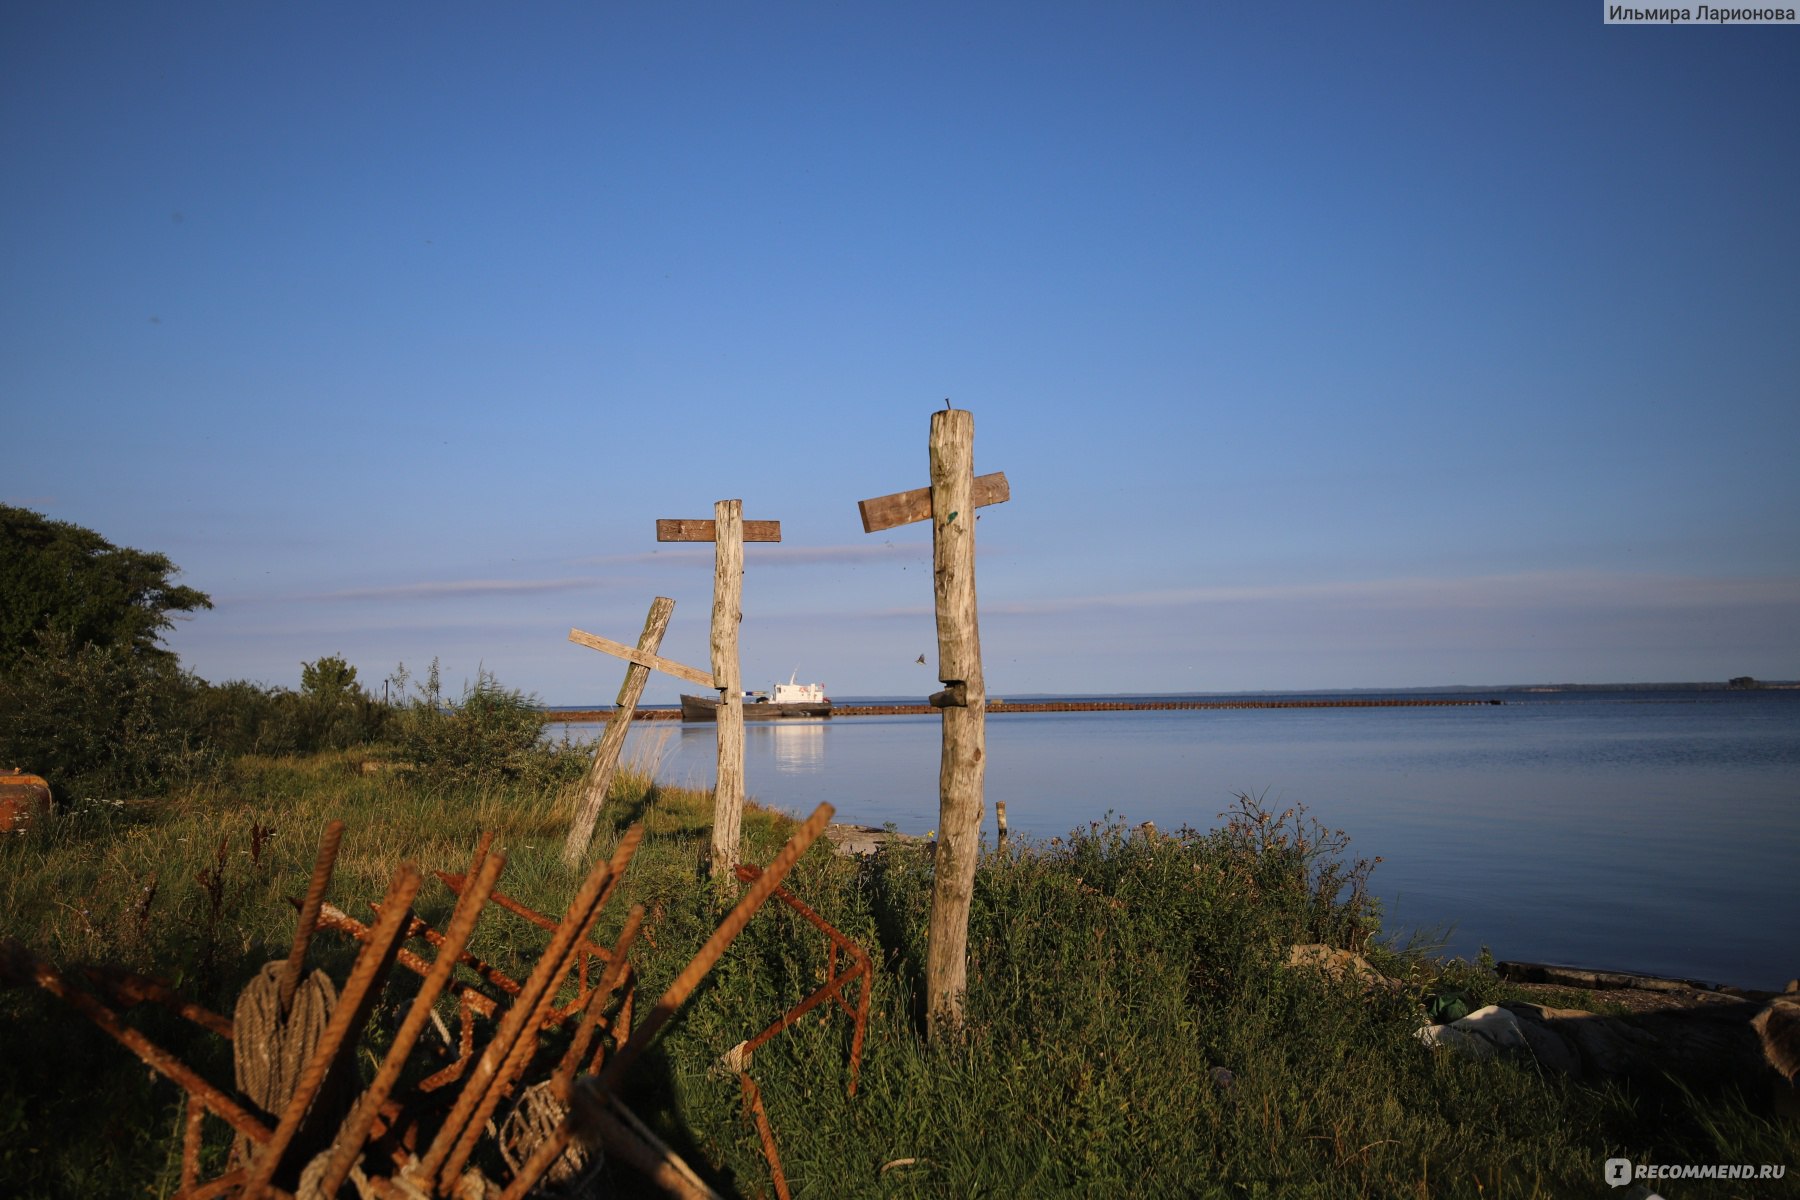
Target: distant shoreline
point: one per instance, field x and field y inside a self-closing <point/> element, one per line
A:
<point x="1041" y="702"/>
<point x="575" y="715"/>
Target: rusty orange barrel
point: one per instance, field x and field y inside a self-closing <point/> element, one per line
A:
<point x="22" y="797"/>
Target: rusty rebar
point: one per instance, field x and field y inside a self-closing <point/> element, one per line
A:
<point x="753" y="1102"/>
<point x="158" y="1059"/>
<point x="494" y="975"/>
<point x="336" y="919"/>
<point x="499" y="1049"/>
<point x="309" y="913"/>
<point x="457" y="883"/>
<point x="568" y="944"/>
<point x="190" y="1142"/>
<point x="621" y="1028"/>
<point x="603" y="990"/>
<point x="482" y="844"/>
<point x="127" y="988"/>
<point x="355" y="1130"/>
<point x="355" y="1000"/>
<point x="228" y="1182"/>
<point x="833" y="990"/>
<point x="465" y="1021"/>
<point x="715" y="946"/>
<point x="835" y="984"/>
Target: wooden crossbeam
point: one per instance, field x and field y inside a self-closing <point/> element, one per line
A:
<point x="678" y="529"/>
<point x="903" y="508"/>
<point x="727" y="531"/>
<point x="632" y="654"/>
<point x="949" y="503"/>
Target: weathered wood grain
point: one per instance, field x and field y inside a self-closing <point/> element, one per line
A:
<point x="727" y="615"/>
<point x="903" y="508"/>
<point x="631" y="654"/>
<point x="962" y="767"/>
<point x="598" y="781"/>
<point x="678" y="529"/>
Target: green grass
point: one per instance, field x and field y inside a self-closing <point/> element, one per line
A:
<point x="1116" y="977"/>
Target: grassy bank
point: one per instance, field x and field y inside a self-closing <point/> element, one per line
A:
<point x="1132" y="1026"/>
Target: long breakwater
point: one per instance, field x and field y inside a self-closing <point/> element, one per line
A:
<point x="1047" y="706"/>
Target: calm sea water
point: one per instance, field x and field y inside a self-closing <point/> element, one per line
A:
<point x="1654" y="832"/>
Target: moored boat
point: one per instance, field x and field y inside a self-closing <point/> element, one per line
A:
<point x="789" y="699"/>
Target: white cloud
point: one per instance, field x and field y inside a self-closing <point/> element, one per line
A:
<point x="1546" y="589"/>
<point x="771" y="554"/>
<point x="447" y="589"/>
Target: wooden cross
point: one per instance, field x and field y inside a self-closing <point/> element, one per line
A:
<point x="727" y="531"/>
<point x="949" y="504"/>
<point x="642" y="659"/>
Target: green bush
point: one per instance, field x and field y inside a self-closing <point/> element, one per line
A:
<point x="102" y="720"/>
<point x="240" y="717"/>
<point x="492" y="734"/>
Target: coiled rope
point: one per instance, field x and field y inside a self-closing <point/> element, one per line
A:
<point x="535" y="1117"/>
<point x="268" y="1053"/>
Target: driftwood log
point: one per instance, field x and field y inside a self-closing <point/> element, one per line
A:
<point x="1698" y="1032"/>
<point x="1705" y="1035"/>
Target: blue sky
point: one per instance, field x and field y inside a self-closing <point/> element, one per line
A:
<point x="1323" y="345"/>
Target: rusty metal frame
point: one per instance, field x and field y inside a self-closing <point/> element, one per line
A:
<point x="127" y="988"/>
<point x="33" y="969"/>
<point x="521" y="1013"/>
<point x="861" y="967"/>
<point x="337" y="1047"/>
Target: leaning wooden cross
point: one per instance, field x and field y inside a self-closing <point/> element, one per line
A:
<point x="950" y="504"/>
<point x="642" y="659"/>
<point x="728" y="531"/>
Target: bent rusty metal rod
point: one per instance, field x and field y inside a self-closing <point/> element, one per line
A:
<point x="465" y="1050"/>
<point x="456" y="883"/>
<point x="570" y="943"/>
<point x="334" y="918"/>
<point x="753" y="1103"/>
<point x="221" y="1186"/>
<point x="190" y="1142"/>
<point x="863" y="967"/>
<point x="616" y="970"/>
<point x="482" y="844"/>
<point x="493" y="975"/>
<point x="787" y="1020"/>
<point x="309" y="913"/>
<point x="499" y="1049"/>
<point x="355" y="1130"/>
<point x="160" y="1060"/>
<point x="628" y="1140"/>
<point x="126" y="988"/>
<point x="715" y="946"/>
<point x="355" y="1001"/>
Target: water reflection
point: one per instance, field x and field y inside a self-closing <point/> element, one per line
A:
<point x="799" y="746"/>
<point x="1603" y="831"/>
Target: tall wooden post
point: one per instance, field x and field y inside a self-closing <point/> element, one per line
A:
<point x="727" y="531"/>
<point x="962" y="767"/>
<point x="950" y="504"/>
<point x="727" y="615"/>
<point x="606" y="758"/>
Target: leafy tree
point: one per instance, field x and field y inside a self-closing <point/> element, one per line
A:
<point x="61" y="578"/>
<point x="101" y="720"/>
<point x="329" y="679"/>
<point x="492" y="734"/>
